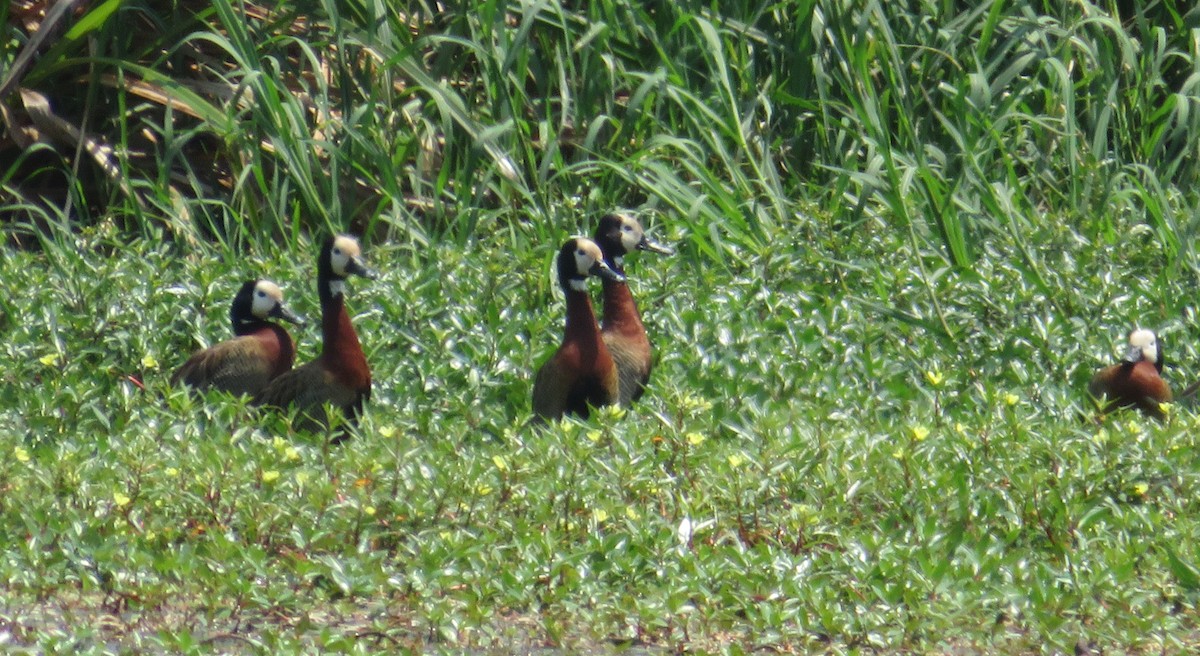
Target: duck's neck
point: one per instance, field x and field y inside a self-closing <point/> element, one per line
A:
<point x="620" y="312"/>
<point x="250" y="326"/>
<point x="337" y="333"/>
<point x="581" y="320"/>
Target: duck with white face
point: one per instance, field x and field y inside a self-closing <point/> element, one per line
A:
<point x="581" y="373"/>
<point x="1135" y="382"/>
<point x="340" y="377"/>
<point x="621" y="326"/>
<point x="261" y="351"/>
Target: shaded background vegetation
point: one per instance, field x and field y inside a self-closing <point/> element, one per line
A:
<point x="958" y="121"/>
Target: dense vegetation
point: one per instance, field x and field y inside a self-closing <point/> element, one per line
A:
<point x="907" y="235"/>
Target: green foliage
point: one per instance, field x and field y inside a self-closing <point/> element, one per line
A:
<point x="908" y="233"/>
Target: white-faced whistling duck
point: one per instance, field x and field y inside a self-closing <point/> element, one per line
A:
<point x="621" y="326"/>
<point x="339" y="376"/>
<point x="261" y="351"/>
<point x="1137" y="380"/>
<point x="581" y="372"/>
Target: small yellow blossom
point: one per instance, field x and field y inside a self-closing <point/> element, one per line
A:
<point x="1133" y="426"/>
<point x="934" y="377"/>
<point x="172" y="472"/>
<point x="149" y="362"/>
<point x="49" y="359"/>
<point x="600" y="515"/>
<point x="291" y="454"/>
<point x="695" y="439"/>
<point x="919" y="433"/>
<point x="1011" y="399"/>
<point x="736" y="460"/>
<point x="278" y="443"/>
<point x="959" y="428"/>
<point x="632" y="514"/>
<point x="270" y="476"/>
<point x="483" y="490"/>
<point x="121" y="499"/>
<point x="500" y="463"/>
<point x="594" y="435"/>
<point x="387" y="432"/>
<point x="21" y="454"/>
<point x="370" y="511"/>
<point x="1141" y="488"/>
<point x="1166" y="408"/>
<point x="898" y="454"/>
<point x="612" y="412"/>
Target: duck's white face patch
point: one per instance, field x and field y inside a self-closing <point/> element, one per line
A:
<point x="631" y="233"/>
<point x="1143" y="345"/>
<point x="267" y="296"/>
<point x="344" y="249"/>
<point x="587" y="254"/>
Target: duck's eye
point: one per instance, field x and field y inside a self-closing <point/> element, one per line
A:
<point x="262" y="294"/>
<point x="337" y="251"/>
<point x="627" y="228"/>
<point x="580" y="253"/>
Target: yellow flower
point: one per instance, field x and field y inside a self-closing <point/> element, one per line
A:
<point x="387" y="432"/>
<point x="370" y="511"/>
<point x="49" y="359"/>
<point x="172" y="472"/>
<point x="934" y="377"/>
<point x="959" y="428"/>
<point x="919" y="433"/>
<point x="696" y="403"/>
<point x="278" y="443"/>
<point x="594" y="435"/>
<point x="21" y="454"/>
<point x="1166" y="408"/>
<point x="148" y="362"/>
<point x="1141" y="488"/>
<point x="612" y="412"/>
<point x="270" y="476"/>
<point x="600" y="515"/>
<point x="898" y="454"/>
<point x="1011" y="399"/>
<point x="632" y="514"/>
<point x="483" y="490"/>
<point x="121" y="499"/>
<point x="500" y="462"/>
<point x="291" y="454"/>
<point x="695" y="439"/>
<point x="736" y="460"/>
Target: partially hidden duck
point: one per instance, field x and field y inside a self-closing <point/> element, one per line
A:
<point x="581" y="373"/>
<point x="339" y="376"/>
<point x="621" y="325"/>
<point x="1135" y="382"/>
<point x="260" y="352"/>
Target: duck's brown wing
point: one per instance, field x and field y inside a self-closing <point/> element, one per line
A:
<point x="552" y="387"/>
<point x="310" y="389"/>
<point x="238" y="366"/>
<point x="633" y="362"/>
